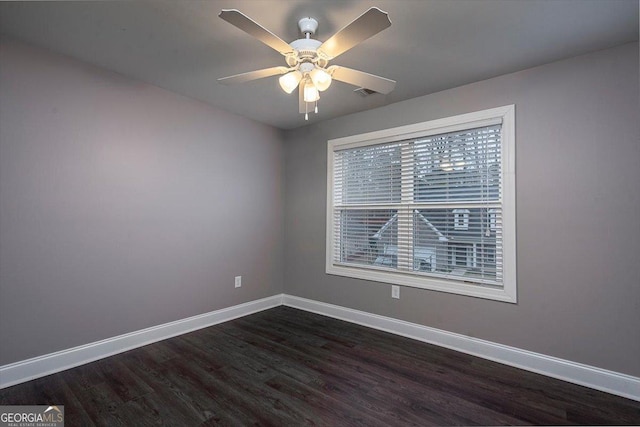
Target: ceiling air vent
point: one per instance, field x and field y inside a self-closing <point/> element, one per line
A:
<point x="364" y="92"/>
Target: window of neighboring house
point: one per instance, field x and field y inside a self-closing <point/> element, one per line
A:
<point x="461" y="256"/>
<point x="430" y="205"/>
<point x="492" y="219"/>
<point x="461" y="219"/>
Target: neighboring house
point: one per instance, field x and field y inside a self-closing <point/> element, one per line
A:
<point x="469" y="241"/>
<point x="445" y="240"/>
<point x="458" y="240"/>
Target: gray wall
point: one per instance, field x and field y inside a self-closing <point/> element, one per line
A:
<point x="578" y="213"/>
<point x="124" y="206"/>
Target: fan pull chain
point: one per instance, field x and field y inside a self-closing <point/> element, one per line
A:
<point x="316" y="109"/>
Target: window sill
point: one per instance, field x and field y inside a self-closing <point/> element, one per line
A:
<point x="429" y="283"/>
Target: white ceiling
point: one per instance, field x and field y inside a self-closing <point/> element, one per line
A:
<point x="431" y="45"/>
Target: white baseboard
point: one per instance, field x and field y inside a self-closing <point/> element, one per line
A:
<point x="573" y="372"/>
<point x="577" y="373"/>
<point x="40" y="366"/>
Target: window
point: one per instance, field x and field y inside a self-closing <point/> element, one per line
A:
<point x="461" y="219"/>
<point x="492" y="219"/>
<point x="430" y="205"/>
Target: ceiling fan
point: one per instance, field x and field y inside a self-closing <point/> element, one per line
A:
<point x="308" y="59"/>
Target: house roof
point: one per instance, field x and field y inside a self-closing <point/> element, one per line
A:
<point x="476" y="232"/>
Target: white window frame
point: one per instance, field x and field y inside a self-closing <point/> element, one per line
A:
<point x="492" y="219"/>
<point x="461" y="219"/>
<point x="504" y="115"/>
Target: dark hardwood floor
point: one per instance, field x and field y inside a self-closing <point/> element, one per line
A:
<point x="287" y="367"/>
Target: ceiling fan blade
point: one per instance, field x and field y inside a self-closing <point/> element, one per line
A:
<point x="253" y="75"/>
<point x="366" y="25"/>
<point x="362" y="79"/>
<point x="251" y="27"/>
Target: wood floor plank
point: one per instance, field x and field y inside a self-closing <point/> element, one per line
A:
<point x="325" y="406"/>
<point x="124" y="382"/>
<point x="289" y="367"/>
<point x="188" y="401"/>
<point x="402" y="381"/>
<point x="101" y="403"/>
<point x="514" y="390"/>
<point x="352" y="386"/>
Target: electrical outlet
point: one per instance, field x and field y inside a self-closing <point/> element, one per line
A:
<point x="238" y="282"/>
<point x="395" y="291"/>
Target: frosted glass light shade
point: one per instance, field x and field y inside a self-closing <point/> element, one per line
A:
<point x="289" y="81"/>
<point x="321" y="79"/>
<point x="310" y="92"/>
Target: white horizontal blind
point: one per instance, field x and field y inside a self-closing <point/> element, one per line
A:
<point x="367" y="237"/>
<point x="458" y="166"/>
<point x="426" y="206"/>
<point x="457" y="182"/>
<point x="368" y="175"/>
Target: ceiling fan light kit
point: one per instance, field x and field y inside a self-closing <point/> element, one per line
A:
<point x="289" y="82"/>
<point x="308" y="58"/>
<point x="321" y="79"/>
<point x="311" y="93"/>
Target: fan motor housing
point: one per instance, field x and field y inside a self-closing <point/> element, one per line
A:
<point x="307" y="51"/>
<point x="306" y="46"/>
